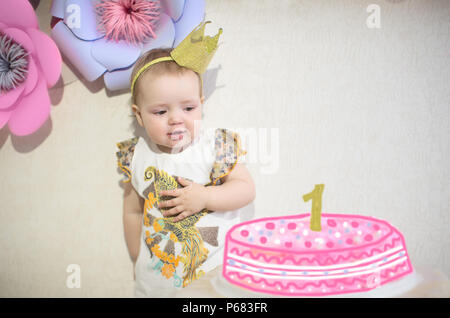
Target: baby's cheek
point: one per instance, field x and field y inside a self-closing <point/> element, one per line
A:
<point x="155" y="129"/>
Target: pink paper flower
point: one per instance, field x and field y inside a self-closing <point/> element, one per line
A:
<point x="30" y="63"/>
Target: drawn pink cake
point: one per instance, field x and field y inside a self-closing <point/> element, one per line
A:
<point x="283" y="256"/>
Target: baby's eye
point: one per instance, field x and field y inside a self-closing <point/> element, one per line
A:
<point x="189" y="108"/>
<point x="161" y="112"/>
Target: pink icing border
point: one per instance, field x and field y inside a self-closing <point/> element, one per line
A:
<point x="309" y="259"/>
<point x="319" y="283"/>
<point x="337" y="260"/>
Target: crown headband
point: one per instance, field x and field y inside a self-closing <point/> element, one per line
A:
<point x="194" y="52"/>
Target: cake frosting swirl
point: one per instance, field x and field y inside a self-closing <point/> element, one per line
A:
<point x="283" y="256"/>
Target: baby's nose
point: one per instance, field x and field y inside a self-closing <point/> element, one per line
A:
<point x="175" y="118"/>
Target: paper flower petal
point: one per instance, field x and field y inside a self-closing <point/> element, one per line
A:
<point x="124" y="53"/>
<point x="18" y="13"/>
<point x="32" y="76"/>
<point x="174" y="8"/>
<point x="9" y="98"/>
<point x="20" y="37"/>
<point x="33" y="111"/>
<point x="48" y="55"/>
<point x="194" y="13"/>
<point x="118" y="79"/>
<point x="81" y="19"/>
<point x="4" y="117"/>
<point x="78" y="52"/>
<point x="166" y="34"/>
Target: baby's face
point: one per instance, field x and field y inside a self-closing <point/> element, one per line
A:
<point x="170" y="109"/>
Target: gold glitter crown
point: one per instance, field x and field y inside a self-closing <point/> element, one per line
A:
<point x="194" y="52"/>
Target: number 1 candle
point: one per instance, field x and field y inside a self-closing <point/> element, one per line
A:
<point x="316" y="208"/>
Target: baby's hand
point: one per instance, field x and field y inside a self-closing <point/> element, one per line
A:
<point x="188" y="200"/>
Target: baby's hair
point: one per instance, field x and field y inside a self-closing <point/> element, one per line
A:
<point x="165" y="67"/>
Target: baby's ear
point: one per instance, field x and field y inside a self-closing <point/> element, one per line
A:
<point x="202" y="99"/>
<point x="137" y="113"/>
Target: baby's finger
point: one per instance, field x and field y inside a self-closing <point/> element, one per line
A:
<point x="169" y="203"/>
<point x="181" y="216"/>
<point x="173" y="193"/>
<point x="184" y="182"/>
<point x="176" y="210"/>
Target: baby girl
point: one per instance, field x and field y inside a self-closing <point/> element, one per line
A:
<point x="185" y="188"/>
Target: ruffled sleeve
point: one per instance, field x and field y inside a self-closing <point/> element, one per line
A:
<point x="228" y="150"/>
<point x="124" y="156"/>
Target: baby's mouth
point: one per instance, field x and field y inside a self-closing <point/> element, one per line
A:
<point x="176" y="135"/>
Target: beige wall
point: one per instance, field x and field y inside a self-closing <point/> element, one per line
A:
<point x="364" y="111"/>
